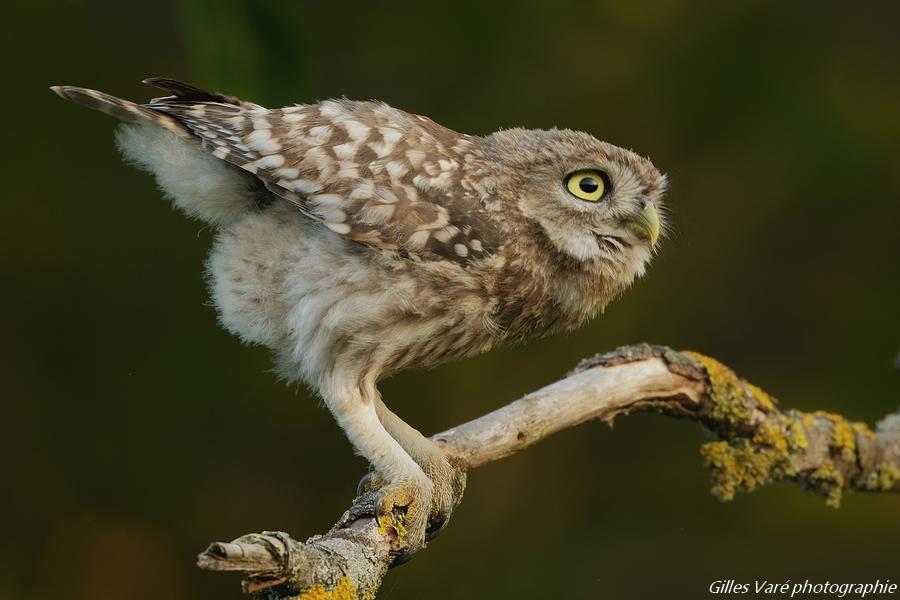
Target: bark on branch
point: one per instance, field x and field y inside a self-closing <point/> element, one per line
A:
<point x="754" y="443"/>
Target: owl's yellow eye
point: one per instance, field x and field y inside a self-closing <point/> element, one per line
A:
<point x="590" y="185"/>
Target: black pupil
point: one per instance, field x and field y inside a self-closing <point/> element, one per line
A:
<point x="588" y="185"/>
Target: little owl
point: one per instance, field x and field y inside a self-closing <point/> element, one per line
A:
<point x="354" y="240"/>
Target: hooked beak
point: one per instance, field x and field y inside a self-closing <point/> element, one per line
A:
<point x="645" y="224"/>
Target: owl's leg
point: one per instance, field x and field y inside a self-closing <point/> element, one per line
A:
<point x="407" y="485"/>
<point x="448" y="481"/>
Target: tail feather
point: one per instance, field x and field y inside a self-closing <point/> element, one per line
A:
<point x="124" y="110"/>
<point x="185" y="92"/>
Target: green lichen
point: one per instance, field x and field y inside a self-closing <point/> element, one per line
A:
<point x="827" y="481"/>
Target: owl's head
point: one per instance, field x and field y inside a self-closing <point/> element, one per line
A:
<point x="595" y="203"/>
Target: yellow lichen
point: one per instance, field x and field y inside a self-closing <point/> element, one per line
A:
<point x="727" y="475"/>
<point x="758" y="443"/>
<point x="726" y="392"/>
<point x="843" y="437"/>
<point x="829" y="482"/>
<point x="387" y="523"/>
<point x="882" y="479"/>
<point x="765" y="401"/>
<point x="796" y="432"/>
<point x="862" y="430"/>
<point x="744" y="465"/>
<point x="344" y="589"/>
<point x="770" y="434"/>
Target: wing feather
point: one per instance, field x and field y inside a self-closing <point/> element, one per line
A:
<point x="369" y="172"/>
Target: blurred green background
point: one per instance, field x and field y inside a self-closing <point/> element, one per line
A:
<point x="135" y="431"/>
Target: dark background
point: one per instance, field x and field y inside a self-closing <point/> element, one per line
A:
<point x="134" y="431"/>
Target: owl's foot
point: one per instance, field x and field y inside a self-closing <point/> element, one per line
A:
<point x="412" y="499"/>
<point x="447" y="485"/>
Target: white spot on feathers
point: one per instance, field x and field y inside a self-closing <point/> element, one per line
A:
<point x="411" y="193"/>
<point x="321" y="133"/>
<point x="315" y="159"/>
<point x="327" y="201"/>
<point x="391" y="136"/>
<point x="304" y="186"/>
<point x="261" y="122"/>
<point x="445" y="234"/>
<point x="415" y="157"/>
<point x="381" y="149"/>
<point x="418" y="240"/>
<point x="396" y="169"/>
<point x="341" y="228"/>
<point x="330" y="109"/>
<point x="364" y="191"/>
<point x="387" y="196"/>
<point x="346" y="151"/>
<point x="356" y="130"/>
<point x="347" y="171"/>
<point x="287" y="173"/>
<point x="335" y="215"/>
<point x="267" y="162"/>
<point x="261" y="141"/>
<point x="376" y="214"/>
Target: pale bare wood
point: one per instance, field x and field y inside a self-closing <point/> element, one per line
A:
<point x="593" y="394"/>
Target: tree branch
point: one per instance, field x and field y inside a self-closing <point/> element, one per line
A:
<point x="755" y="443"/>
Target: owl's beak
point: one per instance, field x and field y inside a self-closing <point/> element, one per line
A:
<point x="645" y="225"/>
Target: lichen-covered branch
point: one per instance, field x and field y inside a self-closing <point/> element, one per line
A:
<point x="754" y="443"/>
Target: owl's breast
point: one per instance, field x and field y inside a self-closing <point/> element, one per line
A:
<point x="541" y="291"/>
<point x="321" y="302"/>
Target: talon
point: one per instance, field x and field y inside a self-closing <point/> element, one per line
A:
<point x="401" y="559"/>
<point x="370" y="481"/>
<point x="435" y="526"/>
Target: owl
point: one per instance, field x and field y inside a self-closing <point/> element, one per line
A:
<point x="355" y="240"/>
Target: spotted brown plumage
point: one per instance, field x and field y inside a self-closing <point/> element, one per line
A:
<point x="354" y="239"/>
<point x="372" y="173"/>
